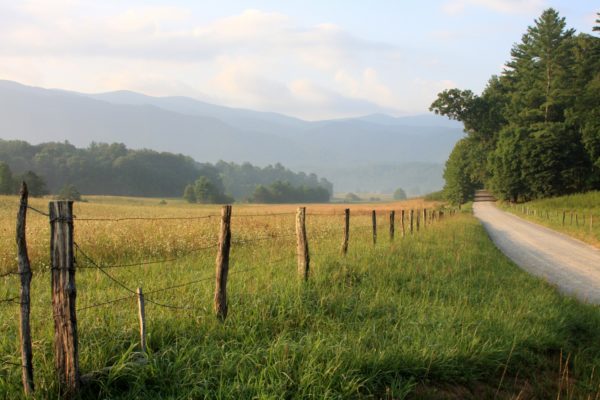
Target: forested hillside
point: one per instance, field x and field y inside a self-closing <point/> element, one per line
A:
<point x="113" y="169"/>
<point x="535" y="130"/>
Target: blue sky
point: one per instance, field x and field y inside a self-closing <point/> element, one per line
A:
<point x="311" y="59"/>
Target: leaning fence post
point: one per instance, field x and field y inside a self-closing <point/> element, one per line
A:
<point x="222" y="264"/>
<point x="64" y="294"/>
<point x="25" y="300"/>
<point x="142" y="315"/>
<point x="374" y="222"/>
<point x="302" y="249"/>
<point x="392" y="222"/>
<point x="346" y="231"/>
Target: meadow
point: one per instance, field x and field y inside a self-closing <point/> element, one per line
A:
<point x="578" y="208"/>
<point x="437" y="314"/>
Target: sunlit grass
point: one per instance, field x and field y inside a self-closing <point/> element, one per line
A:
<point x="442" y="308"/>
<point x="581" y="212"/>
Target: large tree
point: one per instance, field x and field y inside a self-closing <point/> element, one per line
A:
<point x="535" y="130"/>
<point x="7" y="183"/>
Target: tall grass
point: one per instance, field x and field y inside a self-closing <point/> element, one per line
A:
<point x="582" y="214"/>
<point x="439" y="313"/>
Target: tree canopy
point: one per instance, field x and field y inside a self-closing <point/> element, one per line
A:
<point x="113" y="169"/>
<point x="535" y="129"/>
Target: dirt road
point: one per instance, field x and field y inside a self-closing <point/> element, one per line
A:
<point x="571" y="265"/>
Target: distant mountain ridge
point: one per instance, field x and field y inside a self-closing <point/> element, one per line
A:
<point x="209" y="132"/>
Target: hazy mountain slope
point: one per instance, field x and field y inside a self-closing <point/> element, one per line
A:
<point x="240" y="118"/>
<point x="210" y="132"/>
<point x="355" y="141"/>
<point x="39" y="115"/>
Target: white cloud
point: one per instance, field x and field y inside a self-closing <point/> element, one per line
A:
<point x="254" y="59"/>
<point x="502" y="6"/>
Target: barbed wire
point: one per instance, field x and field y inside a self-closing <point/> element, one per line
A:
<point x="7" y="273"/>
<point x="149" y="262"/>
<point x="38" y="211"/>
<point x="9" y="300"/>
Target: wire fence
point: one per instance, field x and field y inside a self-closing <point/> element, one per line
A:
<point x="83" y="258"/>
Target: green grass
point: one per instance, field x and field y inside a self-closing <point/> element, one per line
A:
<point x="441" y="314"/>
<point x="577" y="208"/>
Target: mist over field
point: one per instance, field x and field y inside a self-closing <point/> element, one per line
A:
<point x="374" y="153"/>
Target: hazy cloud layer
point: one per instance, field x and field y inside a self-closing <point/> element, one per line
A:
<point x="256" y="59"/>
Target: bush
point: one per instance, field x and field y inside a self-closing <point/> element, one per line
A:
<point x="284" y="192"/>
<point x="69" y="192"/>
<point x="399" y="194"/>
<point x="351" y="198"/>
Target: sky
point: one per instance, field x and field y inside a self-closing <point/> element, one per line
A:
<point x="309" y="59"/>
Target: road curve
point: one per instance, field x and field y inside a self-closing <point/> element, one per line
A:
<point x="571" y="265"/>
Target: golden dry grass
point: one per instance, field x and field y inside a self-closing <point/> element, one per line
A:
<point x="114" y="241"/>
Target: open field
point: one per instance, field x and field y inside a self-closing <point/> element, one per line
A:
<point x="440" y="314"/>
<point x="577" y="208"/>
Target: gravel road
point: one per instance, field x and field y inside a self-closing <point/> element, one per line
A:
<point x="571" y="265"/>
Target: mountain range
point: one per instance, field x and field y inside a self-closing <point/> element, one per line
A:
<point x="209" y="132"/>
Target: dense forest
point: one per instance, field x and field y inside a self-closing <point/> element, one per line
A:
<point x="535" y="130"/>
<point x="113" y="169"/>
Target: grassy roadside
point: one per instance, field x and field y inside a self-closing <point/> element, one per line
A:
<point x="579" y="210"/>
<point x="441" y="314"/>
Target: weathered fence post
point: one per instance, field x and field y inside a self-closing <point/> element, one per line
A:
<point x="346" y="231"/>
<point x="302" y="249"/>
<point x="424" y="218"/>
<point x="563" y="218"/>
<point x="392" y="223"/>
<point x="418" y="224"/>
<point x="142" y="315"/>
<point x="374" y="222"/>
<point x="222" y="264"/>
<point x="25" y="300"/>
<point x="402" y="222"/>
<point x="64" y="294"/>
<point x="411" y="218"/>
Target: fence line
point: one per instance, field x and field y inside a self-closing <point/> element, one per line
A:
<point x="64" y="266"/>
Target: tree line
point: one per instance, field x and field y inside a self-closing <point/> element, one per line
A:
<point x="535" y="130"/>
<point x="113" y="169"/>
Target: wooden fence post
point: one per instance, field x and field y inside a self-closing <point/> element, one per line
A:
<point x="222" y="264"/>
<point x="374" y="222"/>
<point x="563" y="218"/>
<point x="302" y="249"/>
<point x="392" y="223"/>
<point x="142" y="315"/>
<point x="411" y="218"/>
<point x="418" y="224"/>
<point x="346" y="231"/>
<point x="402" y="222"/>
<point x="25" y="300"/>
<point x="64" y="294"/>
<point x="424" y="218"/>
